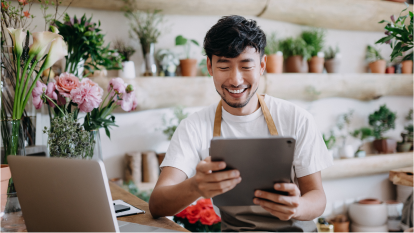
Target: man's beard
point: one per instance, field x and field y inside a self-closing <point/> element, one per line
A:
<point x="238" y="105"/>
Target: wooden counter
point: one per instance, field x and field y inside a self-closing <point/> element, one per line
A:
<point x="144" y="219"/>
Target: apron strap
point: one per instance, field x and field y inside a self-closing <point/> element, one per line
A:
<point x="268" y="117"/>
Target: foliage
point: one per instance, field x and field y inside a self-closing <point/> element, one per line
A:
<point x="381" y="121"/>
<point x="398" y="35"/>
<point x="362" y="134"/>
<point x="315" y="39"/>
<point x="343" y="123"/>
<point x="133" y="189"/>
<point x="203" y="67"/>
<point x="331" y="53"/>
<point x="67" y="138"/>
<point x="49" y="18"/>
<point x="294" y="47"/>
<point x="272" y="44"/>
<point x="373" y="54"/>
<point x="85" y="41"/>
<point x="409" y="127"/>
<point x="329" y="142"/>
<point x="173" y="123"/>
<point x="200" y="217"/>
<point x="186" y="43"/>
<point x="124" y="50"/>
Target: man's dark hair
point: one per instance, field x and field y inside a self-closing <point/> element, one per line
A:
<point x="230" y="36"/>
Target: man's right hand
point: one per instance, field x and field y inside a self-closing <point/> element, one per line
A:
<point x="209" y="183"/>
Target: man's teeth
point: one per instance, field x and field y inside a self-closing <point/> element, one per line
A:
<point x="236" y="91"/>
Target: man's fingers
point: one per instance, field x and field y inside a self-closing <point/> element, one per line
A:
<point x="206" y="167"/>
<point x="220" y="176"/>
<point x="281" y="216"/>
<point x="221" y="186"/>
<point x="292" y="189"/>
<point x="278" y="198"/>
<point x="275" y="207"/>
<point x="213" y="193"/>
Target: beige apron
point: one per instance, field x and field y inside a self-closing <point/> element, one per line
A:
<point x="254" y="217"/>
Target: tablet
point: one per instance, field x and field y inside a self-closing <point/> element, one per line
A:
<point x="262" y="162"/>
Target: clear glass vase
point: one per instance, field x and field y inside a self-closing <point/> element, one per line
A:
<point x="149" y="57"/>
<point x="11" y="214"/>
<point x="13" y="138"/>
<point x="95" y="151"/>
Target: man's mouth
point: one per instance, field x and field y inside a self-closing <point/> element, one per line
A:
<point x="236" y="91"/>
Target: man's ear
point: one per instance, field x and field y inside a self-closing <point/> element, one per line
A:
<point x="209" y="67"/>
<point x="263" y="64"/>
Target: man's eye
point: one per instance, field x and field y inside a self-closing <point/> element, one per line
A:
<point x="222" y="68"/>
<point x="247" y="67"/>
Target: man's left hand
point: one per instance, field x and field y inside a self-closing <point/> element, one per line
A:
<point x="285" y="207"/>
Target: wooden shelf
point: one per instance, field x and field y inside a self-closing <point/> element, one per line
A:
<point x="402" y="176"/>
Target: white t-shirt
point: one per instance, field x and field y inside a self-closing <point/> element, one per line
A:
<point x="191" y="141"/>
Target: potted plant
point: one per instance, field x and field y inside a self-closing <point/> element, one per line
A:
<point x="381" y="121"/>
<point x="296" y="53"/>
<point x="343" y="123"/>
<point x="168" y="62"/>
<point x="376" y="62"/>
<point x="188" y="66"/>
<point x="407" y="136"/>
<point x="332" y="60"/>
<point x="362" y="134"/>
<point x="315" y="39"/>
<point x="128" y="66"/>
<point x="274" y="63"/>
<point x="329" y="142"/>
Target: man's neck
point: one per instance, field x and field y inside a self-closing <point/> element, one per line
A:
<point x="250" y="107"/>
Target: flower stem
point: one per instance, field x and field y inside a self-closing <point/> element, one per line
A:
<point x="105" y="98"/>
<point x="27" y="83"/>
<point x="33" y="85"/>
<point x="51" y="100"/>
<point x="16" y="92"/>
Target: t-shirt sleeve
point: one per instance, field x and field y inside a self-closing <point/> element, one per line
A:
<point x="311" y="154"/>
<point x="182" y="152"/>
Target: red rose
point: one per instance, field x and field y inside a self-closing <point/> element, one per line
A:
<point x="208" y="216"/>
<point x="205" y="204"/>
<point x="182" y="214"/>
<point x="193" y="213"/>
<point x="218" y="219"/>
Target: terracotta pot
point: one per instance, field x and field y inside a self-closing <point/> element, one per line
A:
<point x="385" y="146"/>
<point x="378" y="66"/>
<point x="341" y="226"/>
<point x="316" y="64"/>
<point x="407" y="67"/>
<point x="296" y="64"/>
<point x="5" y="177"/>
<point x="332" y="65"/>
<point x="390" y="70"/>
<point x="188" y="67"/>
<point x="370" y="201"/>
<point x="274" y="64"/>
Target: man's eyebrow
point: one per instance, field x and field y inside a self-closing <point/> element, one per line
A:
<point x="247" y="60"/>
<point x="223" y="60"/>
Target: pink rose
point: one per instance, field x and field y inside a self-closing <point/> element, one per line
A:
<point x="87" y="97"/>
<point x="65" y="83"/>
<point x="117" y="85"/>
<point x="37" y="94"/>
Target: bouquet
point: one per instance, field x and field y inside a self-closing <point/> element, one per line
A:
<point x="199" y="217"/>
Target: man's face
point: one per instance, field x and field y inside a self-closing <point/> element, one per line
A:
<point x="237" y="79"/>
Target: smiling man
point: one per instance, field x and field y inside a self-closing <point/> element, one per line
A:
<point x="236" y="60"/>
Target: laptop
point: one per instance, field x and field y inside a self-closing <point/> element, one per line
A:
<point x="58" y="194"/>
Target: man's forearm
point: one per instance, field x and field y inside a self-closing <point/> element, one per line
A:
<point x="312" y="204"/>
<point x="170" y="200"/>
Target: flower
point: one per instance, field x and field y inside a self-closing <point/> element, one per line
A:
<point x="193" y="214"/>
<point x="134" y="105"/>
<point x="58" y="50"/>
<point x="37" y="94"/>
<point x="40" y="42"/>
<point x="4" y="6"/>
<point x="23" y="2"/>
<point x="87" y="96"/>
<point x="117" y="85"/>
<point x="18" y="37"/>
<point x="51" y="93"/>
<point x="65" y="83"/>
<point x="208" y="216"/>
<point x="92" y="83"/>
<point x="393" y="18"/>
<point x="182" y="214"/>
<point x="127" y="101"/>
<point x="26" y="14"/>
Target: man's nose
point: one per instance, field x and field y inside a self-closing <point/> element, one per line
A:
<point x="235" y="78"/>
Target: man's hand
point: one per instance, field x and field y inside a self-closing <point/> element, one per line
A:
<point x="210" y="184"/>
<point x="282" y="206"/>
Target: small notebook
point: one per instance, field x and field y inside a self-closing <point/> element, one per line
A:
<point x="132" y="211"/>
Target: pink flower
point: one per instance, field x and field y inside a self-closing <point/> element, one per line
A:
<point x="117" y="85"/>
<point x="92" y="83"/>
<point x="65" y="83"/>
<point x="134" y="104"/>
<point x="37" y="94"/>
<point x="51" y="93"/>
<point x="87" y="96"/>
<point x="127" y="101"/>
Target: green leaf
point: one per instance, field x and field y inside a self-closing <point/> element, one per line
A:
<point x="384" y="39"/>
<point x="108" y="133"/>
<point x="180" y="40"/>
<point x="195" y="42"/>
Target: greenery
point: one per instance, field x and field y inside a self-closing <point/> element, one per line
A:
<point x="331" y="53"/>
<point x="362" y="134"/>
<point x="330" y="141"/>
<point x="186" y="43"/>
<point x="381" y="121"/>
<point x="294" y="47"/>
<point x="399" y="36"/>
<point x="173" y="123"/>
<point x="315" y="39"/>
<point x="85" y="41"/>
<point x="373" y="54"/>
<point x="133" y="189"/>
<point x="409" y="127"/>
<point x="343" y="123"/>
<point x="124" y="50"/>
<point x="272" y="44"/>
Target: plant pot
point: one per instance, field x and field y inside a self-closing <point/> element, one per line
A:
<point x="370" y="215"/>
<point x="385" y="146"/>
<point x="274" y="63"/>
<point x="188" y="67"/>
<point x="128" y="70"/>
<point x="346" y="152"/>
<point x="316" y="64"/>
<point x="404" y="147"/>
<point x="296" y="64"/>
<point x="332" y="65"/>
<point x="341" y="226"/>
<point x="407" y="67"/>
<point x="390" y="70"/>
<point x="5" y="177"/>
<point x="378" y="66"/>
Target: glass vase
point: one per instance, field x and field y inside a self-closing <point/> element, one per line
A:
<point x="150" y="65"/>
<point x="13" y="138"/>
<point x="95" y="151"/>
<point x="11" y="214"/>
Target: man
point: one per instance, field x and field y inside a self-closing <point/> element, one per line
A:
<point x="236" y="60"/>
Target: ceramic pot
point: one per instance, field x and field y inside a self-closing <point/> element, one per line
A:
<point x="369" y="215"/>
<point x="390" y="70"/>
<point x="5" y="177"/>
<point x="316" y="64"/>
<point x="359" y="228"/>
<point x="394" y="215"/>
<point x="370" y="201"/>
<point x="346" y="152"/>
<point x="332" y="65"/>
<point x="296" y="64"/>
<point x="188" y="67"/>
<point x="407" y="67"/>
<point x="341" y="226"/>
<point x="385" y="146"/>
<point x="128" y="70"/>
<point x="378" y="66"/>
<point x="404" y="147"/>
<point x="274" y="63"/>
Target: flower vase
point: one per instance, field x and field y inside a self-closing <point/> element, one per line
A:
<point x="150" y="66"/>
<point x="95" y="151"/>
<point x="13" y="138"/>
<point x="12" y="216"/>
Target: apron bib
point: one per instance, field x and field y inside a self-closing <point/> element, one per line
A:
<point x="254" y="217"/>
